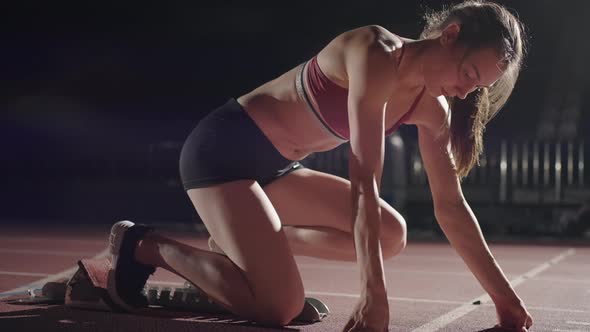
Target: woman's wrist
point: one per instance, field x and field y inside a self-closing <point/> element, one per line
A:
<point x="369" y="257"/>
<point x="506" y="298"/>
<point x="373" y="284"/>
<point x="375" y="292"/>
<point x="372" y="274"/>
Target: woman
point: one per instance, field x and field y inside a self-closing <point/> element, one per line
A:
<point x="239" y="167"/>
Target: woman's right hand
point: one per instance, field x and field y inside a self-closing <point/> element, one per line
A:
<point x="371" y="314"/>
<point x="513" y="314"/>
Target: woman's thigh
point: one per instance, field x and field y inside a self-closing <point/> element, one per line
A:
<point x="311" y="198"/>
<point x="242" y="221"/>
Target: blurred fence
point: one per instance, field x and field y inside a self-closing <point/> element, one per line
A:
<point x="520" y="187"/>
<point x="510" y="172"/>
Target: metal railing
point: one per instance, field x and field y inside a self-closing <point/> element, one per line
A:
<point x="510" y="172"/>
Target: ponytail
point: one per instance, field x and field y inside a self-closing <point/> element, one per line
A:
<point x="468" y="120"/>
<point x="483" y="24"/>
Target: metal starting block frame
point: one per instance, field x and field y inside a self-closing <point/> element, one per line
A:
<point x="190" y="298"/>
<point x="86" y="289"/>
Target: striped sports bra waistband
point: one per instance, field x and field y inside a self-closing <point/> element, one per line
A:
<point x="304" y="96"/>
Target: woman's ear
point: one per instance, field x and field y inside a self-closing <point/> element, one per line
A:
<point x="450" y="34"/>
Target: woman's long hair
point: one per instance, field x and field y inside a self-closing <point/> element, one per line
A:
<point x="483" y="24"/>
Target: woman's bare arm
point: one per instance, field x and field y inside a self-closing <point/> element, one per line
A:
<point x="369" y="89"/>
<point x="452" y="211"/>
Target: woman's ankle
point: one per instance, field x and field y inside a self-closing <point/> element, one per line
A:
<point x="146" y="249"/>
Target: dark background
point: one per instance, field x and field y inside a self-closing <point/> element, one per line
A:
<point x="96" y="97"/>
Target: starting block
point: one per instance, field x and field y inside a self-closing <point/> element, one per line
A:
<point x="86" y="289"/>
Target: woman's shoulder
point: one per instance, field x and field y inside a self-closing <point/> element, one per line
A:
<point x="431" y="113"/>
<point x="376" y="46"/>
<point x="370" y="45"/>
<point x="373" y="35"/>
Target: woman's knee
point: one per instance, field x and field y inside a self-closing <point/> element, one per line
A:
<point x="280" y="310"/>
<point x="393" y="232"/>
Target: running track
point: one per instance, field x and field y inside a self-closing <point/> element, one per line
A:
<point x="429" y="287"/>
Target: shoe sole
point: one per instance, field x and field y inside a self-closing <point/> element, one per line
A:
<point x="117" y="233"/>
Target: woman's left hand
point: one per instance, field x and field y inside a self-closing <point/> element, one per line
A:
<point x="513" y="314"/>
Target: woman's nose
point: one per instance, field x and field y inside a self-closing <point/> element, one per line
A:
<point x="461" y="94"/>
<point x="463" y="91"/>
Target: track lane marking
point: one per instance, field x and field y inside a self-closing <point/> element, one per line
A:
<point x="566" y="280"/>
<point x="5" y="239"/>
<point x="158" y="283"/>
<point x="577" y="323"/>
<point x="46" y="252"/>
<point x="349" y="295"/>
<point x="354" y="268"/>
<point x="467" y="307"/>
<point x="53" y="277"/>
<point x="23" y="274"/>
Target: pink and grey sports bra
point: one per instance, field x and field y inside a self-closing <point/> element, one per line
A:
<point x="332" y="100"/>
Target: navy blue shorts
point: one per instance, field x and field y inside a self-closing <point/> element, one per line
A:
<point x="227" y="145"/>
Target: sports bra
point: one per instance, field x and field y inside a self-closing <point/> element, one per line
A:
<point x="332" y="100"/>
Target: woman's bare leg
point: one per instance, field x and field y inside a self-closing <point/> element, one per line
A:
<point x="316" y="213"/>
<point x="257" y="278"/>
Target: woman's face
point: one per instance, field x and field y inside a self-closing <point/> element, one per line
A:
<point x="455" y="70"/>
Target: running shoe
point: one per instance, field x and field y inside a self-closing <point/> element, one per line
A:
<point x="127" y="277"/>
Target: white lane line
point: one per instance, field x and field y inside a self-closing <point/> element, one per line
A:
<point x="455" y="259"/>
<point x="560" y="330"/>
<point x="18" y="316"/>
<point x="4" y="239"/>
<point x="571" y="311"/>
<point x="156" y="283"/>
<point x="577" y="323"/>
<point x="176" y="284"/>
<point x="450" y="258"/>
<point x="390" y="298"/>
<point x="46" y="252"/>
<point x="23" y="274"/>
<point x="584" y="281"/>
<point x="39" y="283"/>
<point x="467" y="307"/>
<point x="354" y="268"/>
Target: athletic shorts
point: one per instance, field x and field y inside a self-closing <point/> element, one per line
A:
<point x="227" y="145"/>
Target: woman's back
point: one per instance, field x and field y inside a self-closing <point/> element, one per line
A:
<point x="282" y="115"/>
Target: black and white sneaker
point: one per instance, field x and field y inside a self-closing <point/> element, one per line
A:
<point x="127" y="277"/>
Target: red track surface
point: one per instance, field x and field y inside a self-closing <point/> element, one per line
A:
<point x="425" y="283"/>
